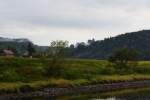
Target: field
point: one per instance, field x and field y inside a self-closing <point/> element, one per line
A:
<point x="24" y="74"/>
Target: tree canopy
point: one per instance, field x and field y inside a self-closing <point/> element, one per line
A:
<point x="123" y="56"/>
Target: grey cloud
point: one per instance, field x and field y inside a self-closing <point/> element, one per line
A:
<point x="98" y="16"/>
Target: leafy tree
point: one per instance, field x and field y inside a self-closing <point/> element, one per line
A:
<point x="123" y="57"/>
<point x="72" y="46"/>
<point x="57" y="55"/>
<point x="90" y="42"/>
<point x="81" y="45"/>
<point x="30" y="49"/>
<point x="57" y="49"/>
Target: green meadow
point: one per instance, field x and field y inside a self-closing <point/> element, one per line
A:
<point x="21" y="74"/>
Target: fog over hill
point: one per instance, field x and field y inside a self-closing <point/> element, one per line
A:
<point x="2" y="39"/>
<point x="19" y="45"/>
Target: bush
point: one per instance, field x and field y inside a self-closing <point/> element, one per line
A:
<point x="26" y="88"/>
<point x="123" y="58"/>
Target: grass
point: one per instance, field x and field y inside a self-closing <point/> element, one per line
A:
<point x="23" y="74"/>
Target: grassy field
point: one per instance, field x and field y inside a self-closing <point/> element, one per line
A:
<point x="24" y="74"/>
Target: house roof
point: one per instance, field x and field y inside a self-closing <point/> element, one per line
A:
<point x="8" y="52"/>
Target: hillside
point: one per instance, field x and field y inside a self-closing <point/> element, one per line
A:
<point x="139" y="41"/>
<point x="100" y="49"/>
<point x="19" y="45"/>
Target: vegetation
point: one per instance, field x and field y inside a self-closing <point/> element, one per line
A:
<point x="51" y="68"/>
<point x="24" y="74"/>
<point x="102" y="49"/>
<point x="123" y="58"/>
<point x="30" y="49"/>
<point x="56" y="53"/>
<point x="21" y="46"/>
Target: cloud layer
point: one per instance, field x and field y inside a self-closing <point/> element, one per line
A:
<point x="73" y="20"/>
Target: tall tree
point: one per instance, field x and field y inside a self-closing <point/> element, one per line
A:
<point x="31" y="49"/>
<point x="57" y="48"/>
<point x="123" y="57"/>
<point x="56" y="53"/>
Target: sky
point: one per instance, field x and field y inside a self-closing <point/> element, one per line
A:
<point x="42" y="21"/>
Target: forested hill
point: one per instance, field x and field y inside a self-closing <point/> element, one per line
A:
<point x="101" y="49"/>
<point x="19" y="46"/>
<point x="139" y="41"/>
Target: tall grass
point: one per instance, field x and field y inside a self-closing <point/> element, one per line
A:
<point x="19" y="72"/>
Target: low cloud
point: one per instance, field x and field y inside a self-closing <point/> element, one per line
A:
<point x="73" y="20"/>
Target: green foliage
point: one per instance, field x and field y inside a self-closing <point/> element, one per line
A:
<point x="18" y="48"/>
<point x="57" y="57"/>
<point x="21" y="48"/>
<point x="30" y="49"/>
<point x="56" y="49"/>
<point x="123" y="58"/>
<point x="102" y="49"/>
<point x="24" y="74"/>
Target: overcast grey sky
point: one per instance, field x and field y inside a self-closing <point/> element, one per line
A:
<point x="72" y="20"/>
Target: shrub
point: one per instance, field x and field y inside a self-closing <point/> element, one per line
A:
<point x="26" y="88"/>
<point x="123" y="58"/>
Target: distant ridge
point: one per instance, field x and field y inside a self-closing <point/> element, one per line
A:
<point x="14" y="40"/>
<point x="102" y="49"/>
<point x="19" y="45"/>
